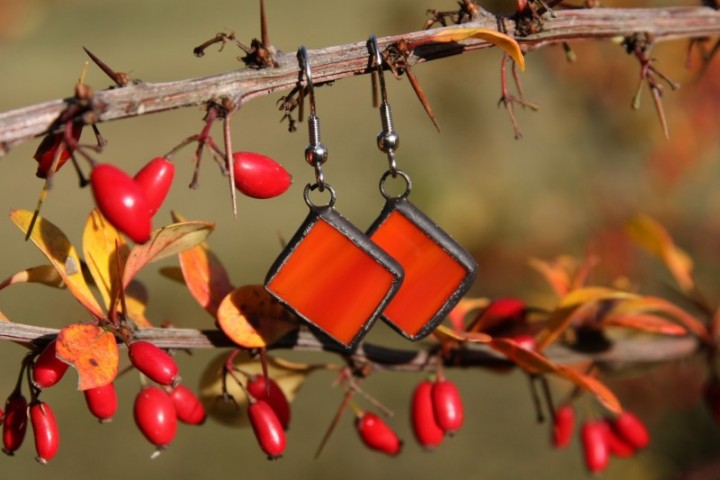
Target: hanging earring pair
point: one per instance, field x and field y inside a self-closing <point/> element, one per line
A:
<point x="340" y="280"/>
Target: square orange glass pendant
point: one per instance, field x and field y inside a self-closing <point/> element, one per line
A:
<point x="438" y="271"/>
<point x="332" y="276"/>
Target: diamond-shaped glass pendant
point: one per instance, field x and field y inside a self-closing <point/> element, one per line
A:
<point x="438" y="271"/>
<point x="335" y="278"/>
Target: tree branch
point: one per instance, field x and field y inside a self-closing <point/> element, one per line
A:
<point x="333" y="63"/>
<point x="624" y="351"/>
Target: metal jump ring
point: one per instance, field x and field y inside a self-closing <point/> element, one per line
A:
<point x="396" y="173"/>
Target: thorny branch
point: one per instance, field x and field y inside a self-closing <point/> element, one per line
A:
<point x="333" y="63"/>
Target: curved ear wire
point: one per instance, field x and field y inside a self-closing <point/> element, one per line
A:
<point x="387" y="140"/>
<point x="316" y="153"/>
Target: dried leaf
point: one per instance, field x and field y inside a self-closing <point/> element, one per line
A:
<point x="289" y="376"/>
<point x="58" y="249"/>
<point x="653" y="237"/>
<point x="136" y="299"/>
<point x="100" y="248"/>
<point x="44" y="274"/>
<point x="205" y="277"/>
<point x="165" y="242"/>
<point x="93" y="352"/>
<point x="250" y="317"/>
<point x="508" y="44"/>
<point x="602" y="393"/>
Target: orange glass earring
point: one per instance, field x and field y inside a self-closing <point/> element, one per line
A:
<point x="331" y="274"/>
<point x="438" y="271"/>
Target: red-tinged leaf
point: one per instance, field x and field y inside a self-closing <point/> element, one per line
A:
<point x="250" y="317"/>
<point x="459" y="313"/>
<point x="205" y="277"/>
<point x="602" y="393"/>
<point x="556" y="274"/>
<point x="498" y="39"/>
<point x="93" y="352"/>
<point x="58" y="249"/>
<point x="45" y="274"/>
<point x="653" y="237"/>
<point x="103" y="246"/>
<point x="136" y="298"/>
<point x="165" y="242"/>
<point x="651" y="304"/>
<point x="530" y="361"/>
<point x="445" y="334"/>
<point x="644" y="322"/>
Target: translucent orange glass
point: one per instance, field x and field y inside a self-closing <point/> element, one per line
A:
<point x="438" y="271"/>
<point x="331" y="282"/>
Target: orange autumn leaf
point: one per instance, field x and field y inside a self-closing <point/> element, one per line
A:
<point x="93" y="352"/>
<point x="103" y="246"/>
<point x="58" y="249"/>
<point x="530" y="361"/>
<point x="458" y="314"/>
<point x="205" y="277"/>
<point x="644" y="322"/>
<point x="508" y="44"/>
<point x="445" y="334"/>
<point x="602" y="393"/>
<point x="250" y="317"/>
<point x="657" y="305"/>
<point x="3" y="318"/>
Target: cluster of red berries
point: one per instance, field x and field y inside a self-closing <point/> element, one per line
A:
<point x="269" y="414"/>
<point x="436" y="412"/>
<point x="621" y="436"/>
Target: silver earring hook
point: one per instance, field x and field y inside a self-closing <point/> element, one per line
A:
<point x="316" y="153"/>
<point x="387" y="140"/>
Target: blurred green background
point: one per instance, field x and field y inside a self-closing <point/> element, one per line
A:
<point x="586" y="163"/>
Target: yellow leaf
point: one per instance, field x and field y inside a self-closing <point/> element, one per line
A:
<point x="444" y="334"/>
<point x="593" y="294"/>
<point x="103" y="246"/>
<point x="45" y="274"/>
<point x="288" y="375"/>
<point x="58" y="249"/>
<point x="136" y="299"/>
<point x="92" y="351"/>
<point x="508" y="44"/>
<point x="653" y="237"/>
<point x="250" y="317"/>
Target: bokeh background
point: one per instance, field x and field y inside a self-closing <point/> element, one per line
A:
<point x="587" y="162"/>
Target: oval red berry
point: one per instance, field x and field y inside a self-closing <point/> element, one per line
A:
<point x="631" y="429"/>
<point x="121" y="201"/>
<point x="15" y="424"/>
<point x="448" y="406"/>
<point x="563" y="426"/>
<point x="258" y="176"/>
<point x="48" y="369"/>
<point x="595" y="448"/>
<point x="427" y="431"/>
<point x="102" y="401"/>
<point x="154" y="180"/>
<point x="616" y="445"/>
<point x="45" y="430"/>
<point x="377" y="435"/>
<point x="267" y="428"/>
<point x="187" y="406"/>
<point x="273" y="395"/>
<point x="153" y="362"/>
<point x="155" y="416"/>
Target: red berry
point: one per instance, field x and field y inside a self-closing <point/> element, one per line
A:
<point x="45" y="429"/>
<point x="154" y="362"/>
<point x="616" y="445"/>
<point x="448" y="406"/>
<point x="258" y="388"/>
<point x="427" y="431"/>
<point x="258" y="176"/>
<point x="15" y="423"/>
<point x="187" y="406"/>
<point x="47" y="150"/>
<point x="154" y="180"/>
<point x="268" y="429"/>
<point x="377" y="435"/>
<point x="595" y="446"/>
<point x="563" y="426"/>
<point x="155" y="416"/>
<point x="102" y="401"/>
<point x="501" y="315"/>
<point x="631" y="429"/>
<point x="121" y="201"/>
<point x="48" y="369"/>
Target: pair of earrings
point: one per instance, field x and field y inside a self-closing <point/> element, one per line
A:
<point x="339" y="279"/>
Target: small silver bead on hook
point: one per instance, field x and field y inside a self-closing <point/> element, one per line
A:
<point x="316" y="153"/>
<point x="387" y="140"/>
